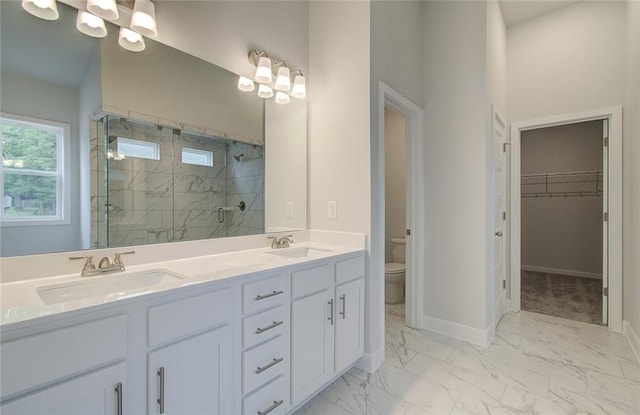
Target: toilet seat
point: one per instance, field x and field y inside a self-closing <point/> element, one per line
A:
<point x="394" y="268"/>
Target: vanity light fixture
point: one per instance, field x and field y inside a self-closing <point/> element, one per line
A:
<point x="245" y="84"/>
<point x="299" y="89"/>
<point x="282" y="98"/>
<point x="44" y="9"/>
<point x="90" y="25"/>
<point x="265" y="91"/>
<point x="143" y="19"/>
<point x="263" y="72"/>
<point x="131" y="40"/>
<point x="107" y="9"/>
<point x="283" y="80"/>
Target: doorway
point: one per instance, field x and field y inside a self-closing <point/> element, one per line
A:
<point x="562" y="193"/>
<point x="566" y="188"/>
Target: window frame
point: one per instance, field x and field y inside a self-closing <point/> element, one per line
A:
<point x="197" y="152"/>
<point x="63" y="191"/>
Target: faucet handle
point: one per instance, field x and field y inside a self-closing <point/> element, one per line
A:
<point x="88" y="265"/>
<point x="118" y="258"/>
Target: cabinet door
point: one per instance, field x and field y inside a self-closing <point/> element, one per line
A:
<point x="311" y="343"/>
<point x="93" y="393"/>
<point x="192" y="376"/>
<point x="349" y="344"/>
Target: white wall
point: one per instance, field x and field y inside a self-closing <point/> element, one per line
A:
<point x="223" y="32"/>
<point x="339" y="132"/>
<point x="569" y="60"/>
<point x="456" y="181"/>
<point x="563" y="233"/>
<point x="395" y="168"/>
<point x="631" y="162"/>
<point x="34" y="98"/>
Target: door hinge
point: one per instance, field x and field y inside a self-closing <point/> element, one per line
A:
<point x="605" y="216"/>
<point x="504" y="215"/>
<point x="504" y="146"/>
<point x="606" y="141"/>
<point x="407" y="232"/>
<point x="605" y="291"/>
<point x="504" y="284"/>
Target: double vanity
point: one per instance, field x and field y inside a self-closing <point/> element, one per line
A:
<point x="256" y="331"/>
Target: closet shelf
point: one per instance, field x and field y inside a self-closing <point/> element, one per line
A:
<point x="566" y="184"/>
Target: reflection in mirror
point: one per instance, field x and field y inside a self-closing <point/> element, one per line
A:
<point x="156" y="146"/>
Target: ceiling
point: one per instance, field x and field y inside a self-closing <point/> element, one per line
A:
<point x="516" y="11"/>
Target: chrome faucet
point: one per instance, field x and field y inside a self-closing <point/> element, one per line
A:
<point x="106" y="265"/>
<point x="282" y="242"/>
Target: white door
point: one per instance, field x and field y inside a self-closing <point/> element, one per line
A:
<point x="312" y="331"/>
<point x="192" y="376"/>
<point x="100" y="393"/>
<point x="349" y="341"/>
<point x="498" y="214"/>
<point x="605" y="223"/>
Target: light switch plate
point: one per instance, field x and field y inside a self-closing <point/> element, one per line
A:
<point x="332" y="210"/>
<point x="289" y="209"/>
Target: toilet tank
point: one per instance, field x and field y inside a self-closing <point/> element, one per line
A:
<point x="398" y="253"/>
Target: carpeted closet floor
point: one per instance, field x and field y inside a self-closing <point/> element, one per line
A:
<point x="575" y="298"/>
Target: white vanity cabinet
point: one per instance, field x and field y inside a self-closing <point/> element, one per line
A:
<point x="327" y="322"/>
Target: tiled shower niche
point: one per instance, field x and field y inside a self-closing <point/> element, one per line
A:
<point x="164" y="185"/>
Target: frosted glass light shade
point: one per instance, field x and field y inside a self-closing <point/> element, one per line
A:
<point x="299" y="89"/>
<point x="131" y="40"/>
<point x="282" y="98"/>
<point x="283" y="80"/>
<point x="143" y="19"/>
<point x="90" y="25"/>
<point x="245" y="84"/>
<point x="263" y="73"/>
<point x="106" y="9"/>
<point x="265" y="91"/>
<point x="44" y="9"/>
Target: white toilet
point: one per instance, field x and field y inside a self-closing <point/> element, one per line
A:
<point x="394" y="273"/>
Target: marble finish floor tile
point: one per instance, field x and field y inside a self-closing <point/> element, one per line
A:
<point x="537" y="364"/>
<point x="575" y="298"/>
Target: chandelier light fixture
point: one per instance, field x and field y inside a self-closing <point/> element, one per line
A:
<point x="266" y="67"/>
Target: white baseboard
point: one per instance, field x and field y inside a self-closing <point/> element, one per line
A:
<point x="570" y="272"/>
<point x="459" y="331"/>
<point x="633" y="338"/>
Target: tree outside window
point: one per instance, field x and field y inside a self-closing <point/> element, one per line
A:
<point x="31" y="171"/>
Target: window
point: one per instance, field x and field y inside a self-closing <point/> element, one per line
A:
<point x="32" y="171"/>
<point x="128" y="147"/>
<point x="197" y="157"/>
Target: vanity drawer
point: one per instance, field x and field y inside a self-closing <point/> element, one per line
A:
<point x="263" y="363"/>
<point x="34" y="360"/>
<point x="273" y="396"/>
<point x="187" y="316"/>
<point x="349" y="269"/>
<point x="263" y="294"/>
<point x="311" y="280"/>
<point x="263" y="326"/>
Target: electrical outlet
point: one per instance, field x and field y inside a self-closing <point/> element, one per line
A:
<point x="332" y="210"/>
<point x="289" y="209"/>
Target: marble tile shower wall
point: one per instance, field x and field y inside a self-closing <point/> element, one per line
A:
<point x="153" y="201"/>
<point x="245" y="182"/>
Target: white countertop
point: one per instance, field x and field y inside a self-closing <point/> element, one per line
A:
<point x="20" y="301"/>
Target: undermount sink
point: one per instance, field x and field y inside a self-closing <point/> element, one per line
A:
<point x="112" y="286"/>
<point x="299" y="252"/>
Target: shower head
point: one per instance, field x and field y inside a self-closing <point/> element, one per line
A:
<point x="237" y="156"/>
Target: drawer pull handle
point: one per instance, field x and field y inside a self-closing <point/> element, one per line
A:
<point x="262" y="297"/>
<point x="343" y="313"/>
<point x="269" y="327"/>
<point x="330" y="318"/>
<point x="160" y="400"/>
<point x="118" y="398"/>
<point x="270" y="365"/>
<point x="272" y="407"/>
